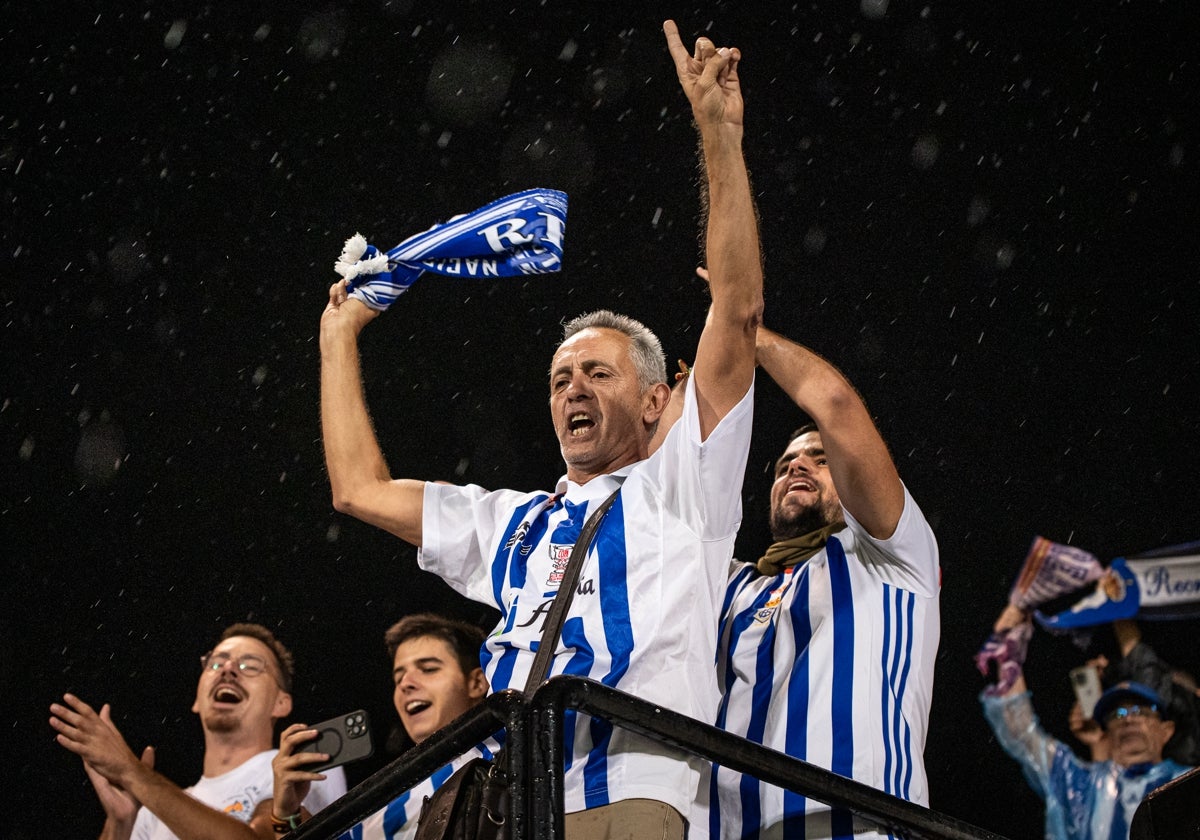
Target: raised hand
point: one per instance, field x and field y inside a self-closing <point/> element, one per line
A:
<point x="345" y="312"/>
<point x="709" y="78"/>
<point x="94" y="738"/>
<point x="119" y="805"/>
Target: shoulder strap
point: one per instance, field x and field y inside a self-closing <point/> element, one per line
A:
<point x="566" y="591"/>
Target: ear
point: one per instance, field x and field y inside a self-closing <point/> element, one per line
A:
<point x="654" y="402"/>
<point x="477" y="684"/>
<point x="283" y="705"/>
<point x="1166" y="729"/>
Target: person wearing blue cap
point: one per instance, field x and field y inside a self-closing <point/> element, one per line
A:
<point x="1086" y="800"/>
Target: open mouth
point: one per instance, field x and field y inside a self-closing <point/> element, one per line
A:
<point x="578" y="423"/>
<point x="227" y="694"/>
<point x="415" y="707"/>
<point x="801" y="485"/>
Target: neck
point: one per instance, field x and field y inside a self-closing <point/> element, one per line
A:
<point x="224" y="751"/>
<point x="582" y="475"/>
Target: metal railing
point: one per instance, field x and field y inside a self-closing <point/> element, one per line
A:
<point x="534" y="746"/>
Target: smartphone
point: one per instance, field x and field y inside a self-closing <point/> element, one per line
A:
<point x="1086" y="683"/>
<point x="344" y="738"/>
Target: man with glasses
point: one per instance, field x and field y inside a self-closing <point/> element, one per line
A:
<point x="1086" y="800"/>
<point x="244" y="689"/>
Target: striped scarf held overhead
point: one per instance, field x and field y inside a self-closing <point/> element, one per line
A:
<point x="519" y="234"/>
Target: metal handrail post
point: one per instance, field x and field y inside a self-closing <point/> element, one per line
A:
<point x="547" y="759"/>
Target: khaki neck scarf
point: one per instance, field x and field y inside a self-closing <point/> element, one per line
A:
<point x="787" y="553"/>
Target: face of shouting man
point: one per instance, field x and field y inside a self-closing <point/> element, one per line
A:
<point x="240" y="689"/>
<point x="431" y="687"/>
<point x="803" y="497"/>
<point x="602" y="417"/>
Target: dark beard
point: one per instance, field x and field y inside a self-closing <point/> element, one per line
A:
<point x="803" y="522"/>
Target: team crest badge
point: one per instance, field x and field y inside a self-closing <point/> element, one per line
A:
<point x="559" y="555"/>
<point x="773" y="602"/>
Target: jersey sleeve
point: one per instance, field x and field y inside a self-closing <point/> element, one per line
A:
<point x="701" y="481"/>
<point x="909" y="557"/>
<point x="459" y="533"/>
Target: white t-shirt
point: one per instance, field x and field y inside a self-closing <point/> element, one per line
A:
<point x="239" y="791"/>
<point x="831" y="661"/>
<point x="644" y="617"/>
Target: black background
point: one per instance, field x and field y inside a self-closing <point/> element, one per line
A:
<point x="978" y="211"/>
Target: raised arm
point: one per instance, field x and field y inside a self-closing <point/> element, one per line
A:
<point x="724" y="366"/>
<point x="358" y="474"/>
<point x="859" y="461"/>
<point x="95" y="739"/>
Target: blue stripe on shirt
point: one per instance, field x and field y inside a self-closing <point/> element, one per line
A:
<point x="796" y="737"/>
<point x="842" y="713"/>
<point x="580" y="664"/>
<point x="613" y="587"/>
<point x="911" y="601"/>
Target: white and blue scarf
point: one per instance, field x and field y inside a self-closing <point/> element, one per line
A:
<point x="1160" y="585"/>
<point x="519" y="234"/>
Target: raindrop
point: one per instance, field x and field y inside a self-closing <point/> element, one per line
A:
<point x="873" y="9"/>
<point x="100" y="453"/>
<point x="814" y="240"/>
<point x="127" y="260"/>
<point x="321" y="35"/>
<point x="1005" y="255"/>
<point x="175" y="34"/>
<point x="469" y="82"/>
<point x="978" y="211"/>
<point x="925" y="151"/>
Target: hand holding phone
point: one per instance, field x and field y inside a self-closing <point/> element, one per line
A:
<point x="343" y="738"/>
<point x="1086" y="683"/>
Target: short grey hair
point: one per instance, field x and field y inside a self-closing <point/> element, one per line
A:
<point x="645" y="349"/>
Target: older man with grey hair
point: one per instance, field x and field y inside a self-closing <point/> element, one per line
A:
<point x="645" y="614"/>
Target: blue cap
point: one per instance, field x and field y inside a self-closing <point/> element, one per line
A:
<point x="1124" y="693"/>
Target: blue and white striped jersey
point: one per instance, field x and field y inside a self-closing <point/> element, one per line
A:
<point x="398" y="821"/>
<point x="831" y="662"/>
<point x="644" y="617"/>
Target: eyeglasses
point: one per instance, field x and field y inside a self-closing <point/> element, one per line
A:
<point x="1132" y="711"/>
<point x="248" y="664"/>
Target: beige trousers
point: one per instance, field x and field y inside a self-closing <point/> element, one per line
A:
<point x="629" y="819"/>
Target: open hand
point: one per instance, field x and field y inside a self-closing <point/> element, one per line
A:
<point x="94" y="738"/>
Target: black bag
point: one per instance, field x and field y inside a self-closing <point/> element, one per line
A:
<point x="473" y="804"/>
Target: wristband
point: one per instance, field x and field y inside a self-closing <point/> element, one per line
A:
<point x="284" y="825"/>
